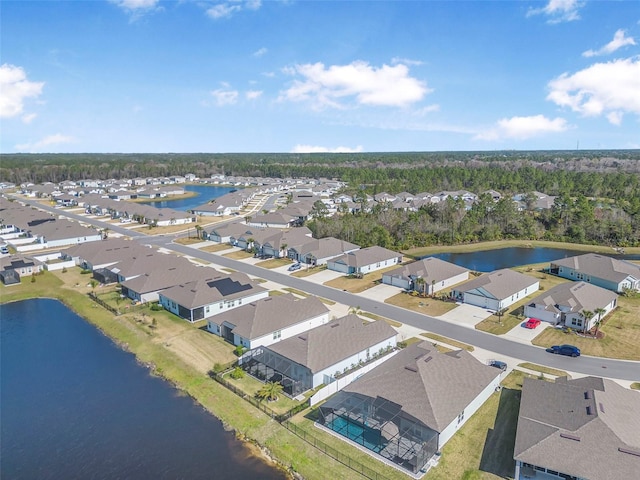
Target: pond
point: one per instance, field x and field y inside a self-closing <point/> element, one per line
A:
<point x="490" y="260"/>
<point x="76" y="406"/>
<point x="205" y="194"/>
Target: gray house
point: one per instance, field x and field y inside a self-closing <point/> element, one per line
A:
<point x="365" y="261"/>
<point x="577" y="429"/>
<point x="564" y="304"/>
<point x="407" y="408"/>
<point x="317" y="356"/>
<point x="428" y="275"/>
<point x="600" y="270"/>
<point x="320" y="251"/>
<point x="496" y="290"/>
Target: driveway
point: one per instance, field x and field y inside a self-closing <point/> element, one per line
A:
<point x="466" y="315"/>
<point x="525" y="335"/>
<point x="323" y="276"/>
<point x="380" y="292"/>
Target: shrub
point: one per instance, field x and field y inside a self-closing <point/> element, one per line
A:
<point x="237" y="373"/>
<point x="239" y="350"/>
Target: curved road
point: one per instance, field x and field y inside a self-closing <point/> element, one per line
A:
<point x="620" y="369"/>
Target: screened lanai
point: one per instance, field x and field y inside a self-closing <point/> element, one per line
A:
<point x="266" y="365"/>
<point x="381" y="426"/>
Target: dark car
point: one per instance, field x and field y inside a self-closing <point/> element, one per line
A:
<point x="498" y="364"/>
<point x="568" y="350"/>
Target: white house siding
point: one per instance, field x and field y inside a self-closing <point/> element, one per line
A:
<point x="73" y="241"/>
<point x="542" y="314"/>
<point x="380" y="265"/>
<point x="287" y="332"/>
<point x="485" y="300"/>
<point x="469" y="410"/>
<point x="400" y="282"/>
<point x="450" y="282"/>
<point x="347" y="363"/>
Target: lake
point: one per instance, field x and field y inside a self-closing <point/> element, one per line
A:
<point x="490" y="260"/>
<point x="205" y="194"/>
<point x="75" y="406"/>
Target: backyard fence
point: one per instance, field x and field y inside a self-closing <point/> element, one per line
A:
<point x="283" y="419"/>
<point x="334" y="453"/>
<point x="102" y="303"/>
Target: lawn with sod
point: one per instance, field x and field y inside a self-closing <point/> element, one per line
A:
<point x="217" y="247"/>
<point x="448" y="341"/>
<point x="428" y="306"/>
<point x="498" y="244"/>
<point x="357" y="285"/>
<point x="621" y="330"/>
<point x="238" y="255"/>
<point x="188" y="240"/>
<point x="305" y="272"/>
<point x="274" y="263"/>
<point x="148" y="345"/>
<point x="250" y="386"/>
<point x="543" y="369"/>
<point x="635" y="386"/>
<point x="499" y="325"/>
<point x="373" y="316"/>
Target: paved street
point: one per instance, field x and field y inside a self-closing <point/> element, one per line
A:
<point x="501" y="346"/>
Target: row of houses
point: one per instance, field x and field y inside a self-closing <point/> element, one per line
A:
<point x="134" y="212"/>
<point x="25" y="228"/>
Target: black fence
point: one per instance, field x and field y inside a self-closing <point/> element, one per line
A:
<point x="104" y="304"/>
<point x="283" y="419"/>
<point x="332" y="452"/>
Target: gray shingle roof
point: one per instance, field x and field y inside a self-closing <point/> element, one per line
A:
<point x="577" y="296"/>
<point x="501" y="283"/>
<point x="601" y="266"/>
<point x="430" y="386"/>
<point x="333" y="342"/>
<point x="367" y="256"/>
<point x="259" y="318"/>
<point x="582" y="427"/>
<point x="430" y="269"/>
<point x="212" y="287"/>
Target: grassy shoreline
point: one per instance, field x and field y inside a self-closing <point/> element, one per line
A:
<point x="499" y="244"/>
<point x="265" y="437"/>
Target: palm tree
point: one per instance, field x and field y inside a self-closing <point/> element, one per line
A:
<point x="198" y="231"/>
<point x="586" y="315"/>
<point x="422" y="284"/>
<point x="270" y="391"/>
<point x="284" y="249"/>
<point x="599" y="311"/>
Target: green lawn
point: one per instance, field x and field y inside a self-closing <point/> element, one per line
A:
<point x="428" y="306"/>
<point x="274" y="263"/>
<point x="543" y="369"/>
<point x="621" y="330"/>
<point x="448" y="341"/>
<point x="238" y="255"/>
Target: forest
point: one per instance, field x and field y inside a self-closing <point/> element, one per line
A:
<point x="598" y="192"/>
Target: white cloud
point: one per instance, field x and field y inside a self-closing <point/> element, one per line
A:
<point x="48" y="141"/>
<point x="228" y="9"/>
<point x="260" y="52"/>
<point x="619" y="41"/>
<point x="132" y="5"/>
<point x="332" y="86"/>
<point x="225" y="97"/>
<point x="559" y="10"/>
<point x="602" y="88"/>
<point x="14" y="89"/>
<point x="317" y="149"/>
<point x="406" y="61"/>
<point x="523" y="127"/>
<point x="29" y="117"/>
<point x="253" y="94"/>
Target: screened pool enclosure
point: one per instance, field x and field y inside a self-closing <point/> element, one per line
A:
<point x="381" y="426"/>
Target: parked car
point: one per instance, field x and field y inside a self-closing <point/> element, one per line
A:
<point x="498" y="364"/>
<point x="532" y="323"/>
<point x="568" y="350"/>
<point x="295" y="266"/>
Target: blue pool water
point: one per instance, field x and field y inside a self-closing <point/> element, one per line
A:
<point x="360" y="434"/>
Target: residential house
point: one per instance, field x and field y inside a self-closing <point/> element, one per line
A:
<point x="407" y="408"/>
<point x="428" y="276"/>
<point x="61" y="233"/>
<point x="13" y="267"/>
<point x="267" y="321"/>
<point x="496" y="290"/>
<point x="365" y="260"/>
<point x="272" y="220"/>
<point x="579" y="429"/>
<point x="320" y="251"/>
<point x="565" y="303"/>
<point x="214" y="294"/>
<point x="147" y="286"/>
<point x="601" y="270"/>
<point x="319" y="355"/>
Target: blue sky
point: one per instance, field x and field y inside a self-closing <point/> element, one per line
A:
<point x="303" y="76"/>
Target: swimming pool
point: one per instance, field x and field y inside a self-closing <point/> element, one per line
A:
<point x="361" y="434"/>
